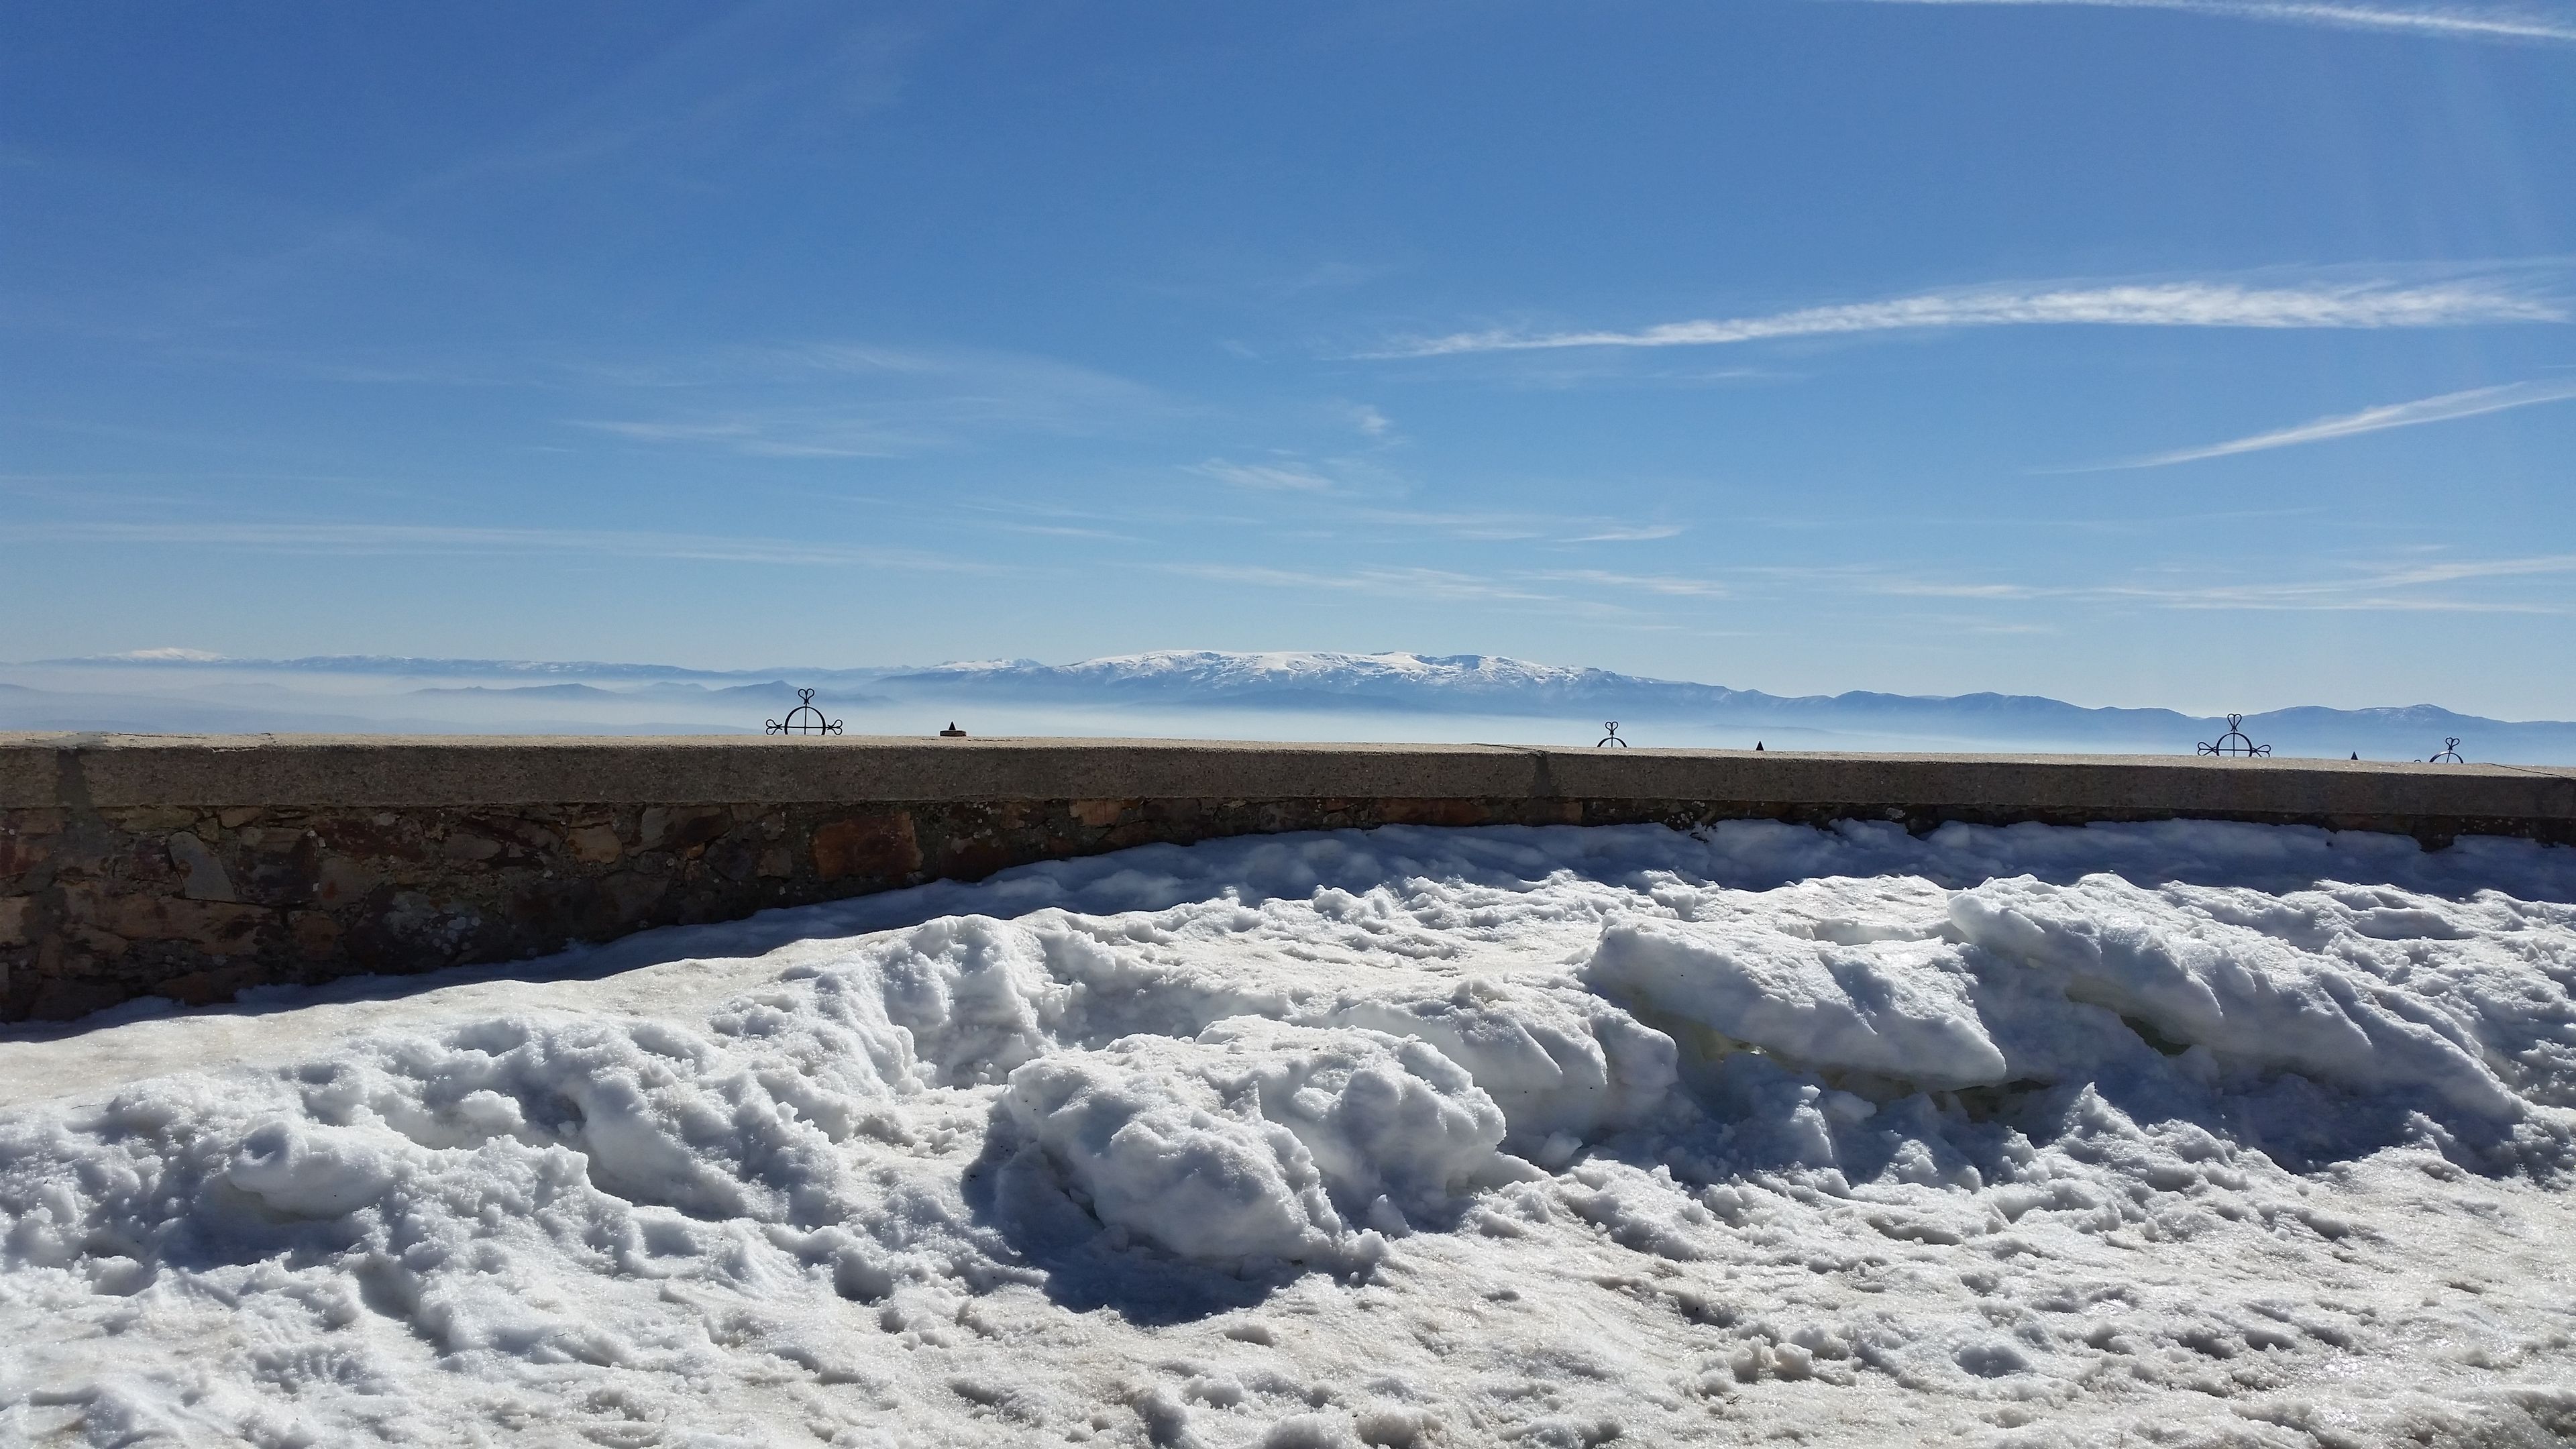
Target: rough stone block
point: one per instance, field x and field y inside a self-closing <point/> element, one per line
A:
<point x="342" y="881"/>
<point x="317" y="936"/>
<point x="217" y="928"/>
<point x="597" y="844"/>
<point x="878" y="846"/>
<point x="201" y="876"/>
<point x="681" y="827"/>
<point x="20" y="853"/>
<point x="14" y="914"/>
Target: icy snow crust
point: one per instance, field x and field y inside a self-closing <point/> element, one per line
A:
<point x="2170" y="1134"/>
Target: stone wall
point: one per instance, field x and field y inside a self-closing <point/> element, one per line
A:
<point x="197" y="904"/>
<point x="193" y="869"/>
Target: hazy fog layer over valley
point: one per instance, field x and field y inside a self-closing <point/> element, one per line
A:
<point x="1176" y="693"/>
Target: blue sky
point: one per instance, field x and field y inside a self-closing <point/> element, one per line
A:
<point x="2204" y="355"/>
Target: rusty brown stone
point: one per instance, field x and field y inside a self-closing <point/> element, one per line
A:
<point x="317" y="936"/>
<point x="1098" y="813"/>
<point x="868" y="846"/>
<point x="597" y="844"/>
<point x="20" y="850"/>
<point x="14" y="914"/>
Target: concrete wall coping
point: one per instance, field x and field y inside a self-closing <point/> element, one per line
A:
<point x="113" y="771"/>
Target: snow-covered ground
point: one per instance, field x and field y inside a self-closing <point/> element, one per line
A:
<point x="2170" y="1134"/>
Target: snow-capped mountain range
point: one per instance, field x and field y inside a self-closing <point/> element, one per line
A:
<point x="1487" y="684"/>
<point x="1189" y="692"/>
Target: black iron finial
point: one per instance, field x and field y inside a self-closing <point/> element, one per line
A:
<point x="1611" y="738"/>
<point x="2234" y="741"/>
<point x="2450" y="753"/>
<point x="804" y="719"/>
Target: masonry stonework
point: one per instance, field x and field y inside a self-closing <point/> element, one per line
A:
<point x="195" y="869"/>
<point x="196" y="905"/>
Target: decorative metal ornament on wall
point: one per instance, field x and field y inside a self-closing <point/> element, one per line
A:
<point x="2450" y="753"/>
<point x="1612" y="738"/>
<point x="2234" y="742"/>
<point x="804" y="719"/>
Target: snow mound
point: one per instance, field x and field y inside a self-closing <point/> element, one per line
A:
<point x="1395" y="1137"/>
<point x="1237" y="1147"/>
<point x="2252" y="999"/>
<point x="1902" y="1010"/>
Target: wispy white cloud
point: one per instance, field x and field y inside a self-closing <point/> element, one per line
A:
<point x="857" y="400"/>
<point x="1629" y="533"/>
<point x="1058" y="530"/>
<point x="775" y="435"/>
<point x="1506" y="527"/>
<point x="2443" y="409"/>
<point x="1293" y="476"/>
<point x="2451" y="303"/>
<point x="1265" y="477"/>
<point x="2457" y="22"/>
<point x="1670" y="585"/>
<point x="400" y="538"/>
<point x="1419" y="583"/>
<point x="2377" y="588"/>
<point x="2407" y="586"/>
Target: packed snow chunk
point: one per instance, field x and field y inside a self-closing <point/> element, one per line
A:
<point x="305" y="1173"/>
<point x="975" y="994"/>
<point x="1259" y="1141"/>
<point x="1899" y="1009"/>
<point x="2252" y="999"/>
<point x="1556" y="1060"/>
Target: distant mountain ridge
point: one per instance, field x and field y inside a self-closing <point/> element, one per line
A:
<point x="1477" y="685"/>
<point x="1493" y="684"/>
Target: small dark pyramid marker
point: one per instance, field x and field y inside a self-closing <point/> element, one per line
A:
<point x="952" y="732"/>
<point x="1757" y="744"/>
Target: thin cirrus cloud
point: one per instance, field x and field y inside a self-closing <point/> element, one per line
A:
<point x="2387" y="588"/>
<point x="2445" y="408"/>
<point x="1419" y="583"/>
<point x="1517" y="527"/>
<point x="1265" y="477"/>
<point x="2454" y="303"/>
<point x="857" y="400"/>
<point x="1476" y="526"/>
<point x="400" y="538"/>
<point x="2456" y="22"/>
